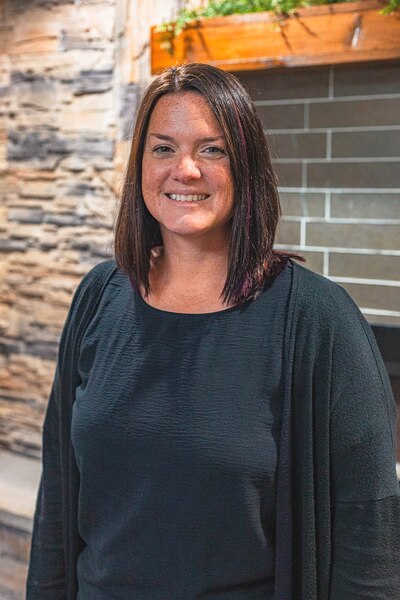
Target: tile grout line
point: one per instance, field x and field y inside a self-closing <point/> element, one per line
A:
<point x="304" y="175"/>
<point x="340" y="190"/>
<point x="339" y="160"/>
<point x="326" y="263"/>
<point x="306" y="116"/>
<point x="328" y="204"/>
<point x="380" y="311"/>
<point x="329" y="144"/>
<point x="303" y="233"/>
<point x="364" y="281"/>
<point x="343" y="129"/>
<point x="340" y="220"/>
<point x="331" y="83"/>
<point x="341" y="250"/>
<point x="326" y="100"/>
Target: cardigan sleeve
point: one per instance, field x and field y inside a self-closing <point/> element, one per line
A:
<point x="47" y="568"/>
<point x="365" y="490"/>
<point x="46" y="575"/>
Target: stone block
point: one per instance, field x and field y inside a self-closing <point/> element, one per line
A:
<point x="96" y="15"/>
<point x="90" y="147"/>
<point x="101" y="250"/>
<point x="62" y="219"/>
<point x="97" y="210"/>
<point x="73" y="120"/>
<point x="13" y="245"/>
<point x="314" y="261"/>
<point x="99" y="102"/>
<point x="297" y="145"/>
<point x="5" y="91"/>
<point x="5" y="69"/>
<point x="308" y="204"/>
<point x="42" y="316"/>
<point x="365" y="79"/>
<point x="32" y="119"/>
<point x="365" y="206"/>
<point x="355" y="113"/>
<point x="288" y="174"/>
<point x="64" y="66"/>
<point x="35" y="30"/>
<point x="353" y="174"/>
<point x="24" y="231"/>
<point x="365" y="266"/>
<point x="276" y="84"/>
<point x="129" y="99"/>
<point x="73" y="164"/>
<point x="274" y="116"/>
<point x="35" y="145"/>
<point x="40" y="188"/>
<point x="12" y="578"/>
<point x="17" y="323"/>
<point x="381" y="144"/>
<point x="360" y="235"/>
<point x="25" y="215"/>
<point x="93" y="82"/>
<point x="288" y="233"/>
<point x="35" y="91"/>
<point x="79" y="38"/>
<point x="374" y="296"/>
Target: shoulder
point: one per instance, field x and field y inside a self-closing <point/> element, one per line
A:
<point x="90" y="288"/>
<point x="98" y="273"/>
<point x="84" y="301"/>
<point x="323" y="315"/>
<point x="316" y="297"/>
<point x="95" y="278"/>
<point x="328" y="320"/>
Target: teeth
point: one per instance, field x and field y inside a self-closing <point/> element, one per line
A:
<point x="188" y="198"/>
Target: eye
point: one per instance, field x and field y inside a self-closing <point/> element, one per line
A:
<point x="215" y="151"/>
<point x="162" y="150"/>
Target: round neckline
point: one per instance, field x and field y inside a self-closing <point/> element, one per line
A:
<point x="216" y="313"/>
<point x="171" y="313"/>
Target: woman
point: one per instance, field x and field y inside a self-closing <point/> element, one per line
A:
<point x="221" y="423"/>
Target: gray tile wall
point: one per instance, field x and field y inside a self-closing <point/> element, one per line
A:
<point x="334" y="134"/>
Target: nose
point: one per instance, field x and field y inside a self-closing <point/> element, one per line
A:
<point x="186" y="168"/>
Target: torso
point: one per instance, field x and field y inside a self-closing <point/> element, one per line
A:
<point x="176" y="430"/>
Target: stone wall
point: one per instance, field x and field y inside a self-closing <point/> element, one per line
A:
<point x="69" y="78"/>
<point x="70" y="74"/>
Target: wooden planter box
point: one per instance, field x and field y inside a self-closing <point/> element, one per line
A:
<point x="325" y="34"/>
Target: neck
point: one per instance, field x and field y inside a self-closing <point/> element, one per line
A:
<point x="191" y="267"/>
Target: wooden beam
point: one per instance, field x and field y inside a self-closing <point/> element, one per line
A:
<point x="325" y="34"/>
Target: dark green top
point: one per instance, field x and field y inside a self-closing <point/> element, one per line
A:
<point x="337" y="495"/>
<point x="176" y="430"/>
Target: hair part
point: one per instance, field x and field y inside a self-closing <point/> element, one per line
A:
<point x="251" y="258"/>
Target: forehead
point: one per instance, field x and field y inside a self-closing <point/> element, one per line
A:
<point x="183" y="110"/>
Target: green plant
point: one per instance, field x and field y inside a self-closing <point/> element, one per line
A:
<point x="391" y="7"/>
<point x="222" y="8"/>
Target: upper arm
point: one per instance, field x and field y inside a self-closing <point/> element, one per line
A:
<point x="363" y="416"/>
<point x="365" y="491"/>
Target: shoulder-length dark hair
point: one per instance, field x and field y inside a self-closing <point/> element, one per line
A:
<point x="256" y="208"/>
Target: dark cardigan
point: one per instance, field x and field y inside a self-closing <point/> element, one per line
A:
<point x="338" y="499"/>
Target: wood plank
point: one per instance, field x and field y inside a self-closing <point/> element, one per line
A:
<point x="331" y="34"/>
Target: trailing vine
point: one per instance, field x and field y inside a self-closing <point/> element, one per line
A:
<point x="222" y="8"/>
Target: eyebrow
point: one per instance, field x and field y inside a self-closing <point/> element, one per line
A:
<point x="168" y="138"/>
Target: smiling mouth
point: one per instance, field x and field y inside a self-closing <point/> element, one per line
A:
<point x="188" y="197"/>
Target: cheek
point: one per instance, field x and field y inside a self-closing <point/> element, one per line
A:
<point x="226" y="183"/>
<point x="152" y="178"/>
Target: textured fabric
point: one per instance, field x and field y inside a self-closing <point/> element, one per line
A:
<point x="175" y="430"/>
<point x="338" y="501"/>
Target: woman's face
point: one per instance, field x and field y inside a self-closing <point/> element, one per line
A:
<point x="186" y="179"/>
